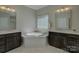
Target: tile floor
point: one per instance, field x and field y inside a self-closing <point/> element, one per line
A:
<point x="48" y="49"/>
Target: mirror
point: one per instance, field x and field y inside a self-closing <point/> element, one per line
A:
<point x="7" y="18"/>
<point x="63" y="18"/>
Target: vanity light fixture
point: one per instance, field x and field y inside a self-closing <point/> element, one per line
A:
<point x="2" y="7"/>
<point x="7" y="9"/>
<point x="63" y="9"/>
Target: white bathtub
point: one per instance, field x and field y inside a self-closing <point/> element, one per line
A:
<point x="34" y="41"/>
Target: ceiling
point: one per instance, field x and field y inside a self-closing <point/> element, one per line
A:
<point x="36" y="7"/>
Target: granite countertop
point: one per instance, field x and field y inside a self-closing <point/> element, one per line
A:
<point x="8" y="31"/>
<point x="67" y="32"/>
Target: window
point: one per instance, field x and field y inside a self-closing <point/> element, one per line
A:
<point x="42" y="23"/>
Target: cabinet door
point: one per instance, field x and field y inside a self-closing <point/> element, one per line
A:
<point x="2" y="48"/>
<point x="50" y="38"/>
<point x="13" y="41"/>
<point x="72" y="43"/>
<point x="9" y="43"/>
<point x="57" y="41"/>
<point x="2" y="44"/>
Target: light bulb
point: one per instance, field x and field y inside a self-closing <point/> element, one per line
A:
<point x="2" y="7"/>
<point x="57" y="10"/>
<point x="13" y="10"/>
<point x="8" y="9"/>
<point x="61" y="10"/>
<point x="67" y="9"/>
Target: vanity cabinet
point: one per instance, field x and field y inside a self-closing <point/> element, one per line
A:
<point x="2" y="43"/>
<point x="68" y="42"/>
<point x="72" y="43"/>
<point x="56" y="40"/>
<point x="10" y="41"/>
<point x="13" y="40"/>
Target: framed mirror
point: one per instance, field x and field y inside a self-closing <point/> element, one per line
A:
<point x="7" y="18"/>
<point x="63" y="18"/>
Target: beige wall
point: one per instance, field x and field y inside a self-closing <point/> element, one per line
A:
<point x="50" y="10"/>
<point x="25" y="19"/>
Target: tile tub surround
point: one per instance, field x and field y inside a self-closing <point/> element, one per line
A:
<point x="66" y="31"/>
<point x="65" y="41"/>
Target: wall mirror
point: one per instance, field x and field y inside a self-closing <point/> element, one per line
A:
<point x="63" y="18"/>
<point x="7" y="18"/>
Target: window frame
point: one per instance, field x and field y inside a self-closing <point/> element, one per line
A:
<point x="37" y="29"/>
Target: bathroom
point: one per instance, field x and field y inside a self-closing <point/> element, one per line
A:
<point x="34" y="33"/>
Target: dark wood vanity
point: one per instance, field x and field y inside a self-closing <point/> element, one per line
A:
<point x="65" y="41"/>
<point x="10" y="41"/>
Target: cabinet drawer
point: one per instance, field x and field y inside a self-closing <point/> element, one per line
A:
<point x="2" y="48"/>
<point x="2" y="36"/>
<point x="2" y="43"/>
<point x="13" y="34"/>
<point x="2" y="40"/>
